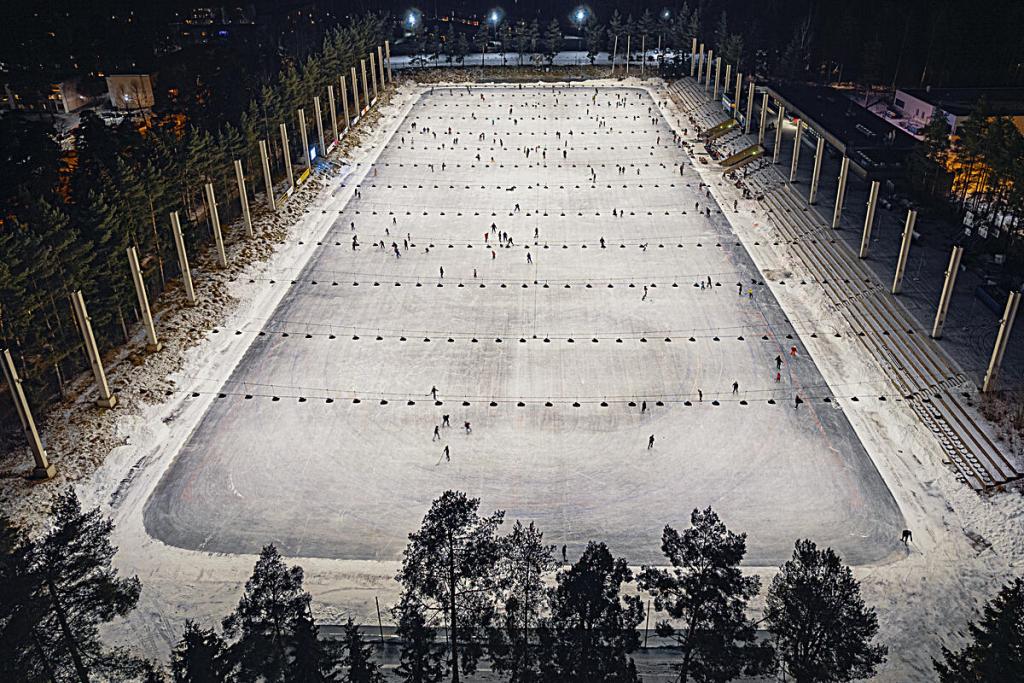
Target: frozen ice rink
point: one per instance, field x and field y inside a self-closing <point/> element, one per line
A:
<point x="501" y="338"/>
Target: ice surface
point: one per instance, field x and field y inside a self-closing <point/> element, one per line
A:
<point x="350" y="481"/>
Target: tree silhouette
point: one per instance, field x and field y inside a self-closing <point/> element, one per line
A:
<point x="447" y="568"/>
<point x="822" y="628"/>
<point x="420" y="661"/>
<point x="592" y="627"/>
<point x="707" y="595"/>
<point x="200" y="656"/>
<point x="996" y="651"/>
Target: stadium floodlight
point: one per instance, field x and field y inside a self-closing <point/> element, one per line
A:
<point x="580" y="15"/>
<point x="495" y="16"/>
<point x="413" y="18"/>
<point x="666" y="14"/>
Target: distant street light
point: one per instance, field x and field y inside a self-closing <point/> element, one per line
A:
<point x="412" y="19"/>
<point x="580" y="15"/>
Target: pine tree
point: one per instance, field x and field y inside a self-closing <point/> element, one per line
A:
<point x="533" y="32"/>
<point x="707" y="595"/>
<point x="447" y="567"/>
<point x="461" y="47"/>
<point x="722" y="32"/>
<point x="22" y="655"/>
<point x="552" y="40"/>
<point x="357" y="662"/>
<point x="265" y="622"/>
<point x="81" y="590"/>
<point x="996" y="651"/>
<point x="822" y="628"/>
<point x="592" y="626"/>
<point x="524" y="562"/>
<point x="594" y="34"/>
<point x="313" y="659"/>
<point x="927" y="161"/>
<point x="420" y="661"/>
<point x="732" y="52"/>
<point x="480" y="40"/>
<point x="200" y="656"/>
<point x="521" y="40"/>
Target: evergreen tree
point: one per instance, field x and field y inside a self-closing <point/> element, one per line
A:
<point x="357" y="662"/>
<point x="693" y="23"/>
<point x="732" y="52"/>
<point x="798" y="53"/>
<point x="480" y="40"/>
<point x="524" y="562"/>
<point x="615" y="29"/>
<point x="22" y="655"/>
<point x="533" y="33"/>
<point x="707" y="595"/>
<point x="200" y="656"/>
<point x="271" y="614"/>
<point x="447" y="567"/>
<point x="927" y="162"/>
<point x="594" y="35"/>
<point x="314" y="660"/>
<point x="521" y="40"/>
<point x="420" y="661"/>
<point x="722" y="33"/>
<point x="592" y="627"/>
<point x="81" y="590"/>
<point x="822" y="628"/>
<point x="461" y="47"/>
<point x="996" y="651"/>
<point x="552" y="40"/>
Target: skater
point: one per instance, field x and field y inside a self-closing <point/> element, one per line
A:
<point x="700" y="396"/>
<point x="433" y="392"/>
<point x="644" y="297"/>
<point x="907" y="536"/>
<point x="442" y="272"/>
<point x="437" y="433"/>
<point x="778" y="377"/>
<point x="739" y="288"/>
<point x="469" y="430"/>
<point x="529" y="259"/>
<point x="444" y="421"/>
<point x="517" y="208"/>
<point x="650" y="442"/>
<point x="643" y="407"/>
<point x="778" y="362"/>
<point x="447" y="454"/>
<point x="735" y="388"/>
<point x="602" y="243"/>
<point x="792" y="351"/>
<point x="796" y="402"/>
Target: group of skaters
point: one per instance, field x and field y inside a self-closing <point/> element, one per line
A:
<point x="446" y="453"/>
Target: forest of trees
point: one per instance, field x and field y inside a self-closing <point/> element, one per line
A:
<point x="982" y="171"/>
<point x="68" y="218"/>
<point x="469" y="594"/>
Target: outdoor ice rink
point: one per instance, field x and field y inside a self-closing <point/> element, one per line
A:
<point x="502" y="338"/>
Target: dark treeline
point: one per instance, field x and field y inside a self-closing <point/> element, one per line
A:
<point x="876" y="42"/>
<point x="470" y="593"/>
<point x="69" y="217"/>
<point x="906" y="42"/>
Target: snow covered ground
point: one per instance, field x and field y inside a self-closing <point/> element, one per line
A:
<point x="344" y="480"/>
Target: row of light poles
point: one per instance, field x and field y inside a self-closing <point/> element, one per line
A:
<point x="579" y="16"/>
